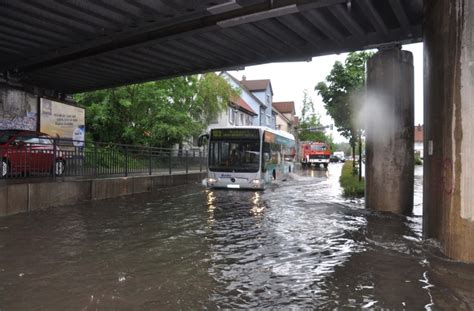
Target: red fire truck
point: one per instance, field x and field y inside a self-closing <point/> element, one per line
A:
<point x="315" y="153"/>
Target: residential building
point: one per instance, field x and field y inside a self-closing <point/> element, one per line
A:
<point x="241" y="110"/>
<point x="253" y="106"/>
<point x="262" y="90"/>
<point x="285" y="118"/>
<point x="238" y="113"/>
<point x="419" y="140"/>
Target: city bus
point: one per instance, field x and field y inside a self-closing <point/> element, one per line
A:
<point x="248" y="157"/>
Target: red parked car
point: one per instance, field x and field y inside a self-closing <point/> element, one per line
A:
<point x="25" y="152"/>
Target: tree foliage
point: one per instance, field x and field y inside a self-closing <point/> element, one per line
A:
<point x="160" y="113"/>
<point x="337" y="92"/>
<point x="310" y="121"/>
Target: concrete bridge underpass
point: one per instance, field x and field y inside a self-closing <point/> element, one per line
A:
<point x="54" y="48"/>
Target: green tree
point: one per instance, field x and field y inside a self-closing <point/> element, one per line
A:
<point x="338" y="91"/>
<point x="161" y="113"/>
<point x="310" y="121"/>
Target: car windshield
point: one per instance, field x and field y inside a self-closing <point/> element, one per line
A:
<point x="45" y="140"/>
<point x="28" y="139"/>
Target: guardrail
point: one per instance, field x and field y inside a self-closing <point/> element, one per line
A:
<point x="57" y="157"/>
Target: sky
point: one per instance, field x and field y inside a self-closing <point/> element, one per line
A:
<point x="289" y="80"/>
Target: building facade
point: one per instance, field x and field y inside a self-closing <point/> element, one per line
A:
<point x="419" y="140"/>
<point x="241" y="110"/>
<point x="285" y="118"/>
<point x="254" y="106"/>
<point x="262" y="90"/>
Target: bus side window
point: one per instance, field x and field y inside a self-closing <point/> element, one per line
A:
<point x="265" y="156"/>
<point x="276" y="153"/>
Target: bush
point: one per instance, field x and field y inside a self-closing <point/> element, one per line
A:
<point x="350" y="183"/>
<point x="418" y="160"/>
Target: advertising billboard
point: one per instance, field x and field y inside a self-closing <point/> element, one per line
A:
<point x="62" y="121"/>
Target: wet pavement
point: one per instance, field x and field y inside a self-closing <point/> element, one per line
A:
<point x="296" y="245"/>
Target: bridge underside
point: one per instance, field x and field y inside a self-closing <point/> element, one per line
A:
<point x="74" y="46"/>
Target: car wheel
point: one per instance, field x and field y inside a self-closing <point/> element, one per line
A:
<point x="4" y="168"/>
<point x="59" y="167"/>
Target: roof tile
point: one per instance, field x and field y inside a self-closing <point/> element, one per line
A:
<point x="256" y="85"/>
<point x="239" y="102"/>
<point x="285" y="107"/>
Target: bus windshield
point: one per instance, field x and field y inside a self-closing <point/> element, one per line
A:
<point x="234" y="155"/>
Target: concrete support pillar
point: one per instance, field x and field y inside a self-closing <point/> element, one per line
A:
<point x="390" y="123"/>
<point x="448" y="204"/>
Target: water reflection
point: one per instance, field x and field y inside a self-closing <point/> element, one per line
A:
<point x="257" y="208"/>
<point x="315" y="172"/>
<point x="211" y="198"/>
<point x="297" y="245"/>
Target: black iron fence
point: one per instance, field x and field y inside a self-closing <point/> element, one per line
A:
<point x="55" y="157"/>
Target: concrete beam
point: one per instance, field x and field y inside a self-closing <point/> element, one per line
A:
<point x="448" y="204"/>
<point x="390" y="122"/>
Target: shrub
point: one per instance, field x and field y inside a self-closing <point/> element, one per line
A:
<point x="350" y="183"/>
<point x="418" y="160"/>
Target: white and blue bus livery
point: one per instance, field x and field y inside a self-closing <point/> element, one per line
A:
<point x="248" y="157"/>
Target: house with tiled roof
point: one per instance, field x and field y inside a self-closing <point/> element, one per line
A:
<point x="285" y="116"/>
<point x="287" y="108"/>
<point x="242" y="110"/>
<point x="262" y="89"/>
<point x="243" y="114"/>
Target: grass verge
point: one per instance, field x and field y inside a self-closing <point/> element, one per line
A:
<point x="350" y="183"/>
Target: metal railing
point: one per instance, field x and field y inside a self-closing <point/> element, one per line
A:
<point x="69" y="158"/>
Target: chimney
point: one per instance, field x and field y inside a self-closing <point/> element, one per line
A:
<point x="244" y="78"/>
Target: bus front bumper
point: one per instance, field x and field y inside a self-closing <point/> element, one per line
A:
<point x="256" y="184"/>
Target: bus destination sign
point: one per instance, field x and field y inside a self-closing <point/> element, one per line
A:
<point x="231" y="133"/>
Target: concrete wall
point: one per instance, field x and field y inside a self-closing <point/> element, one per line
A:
<point x="18" y="109"/>
<point x="21" y="198"/>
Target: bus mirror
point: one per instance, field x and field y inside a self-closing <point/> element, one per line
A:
<point x="202" y="139"/>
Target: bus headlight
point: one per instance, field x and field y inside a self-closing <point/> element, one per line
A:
<point x="211" y="180"/>
<point x="256" y="181"/>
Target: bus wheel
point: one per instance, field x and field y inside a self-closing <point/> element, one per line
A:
<point x="274" y="174"/>
<point x="325" y="165"/>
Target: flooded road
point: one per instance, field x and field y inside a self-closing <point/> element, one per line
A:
<point x="296" y="245"/>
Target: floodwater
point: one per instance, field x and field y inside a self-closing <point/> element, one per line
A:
<point x="296" y="245"/>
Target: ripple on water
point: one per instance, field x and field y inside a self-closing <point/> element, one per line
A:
<point x="297" y="245"/>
